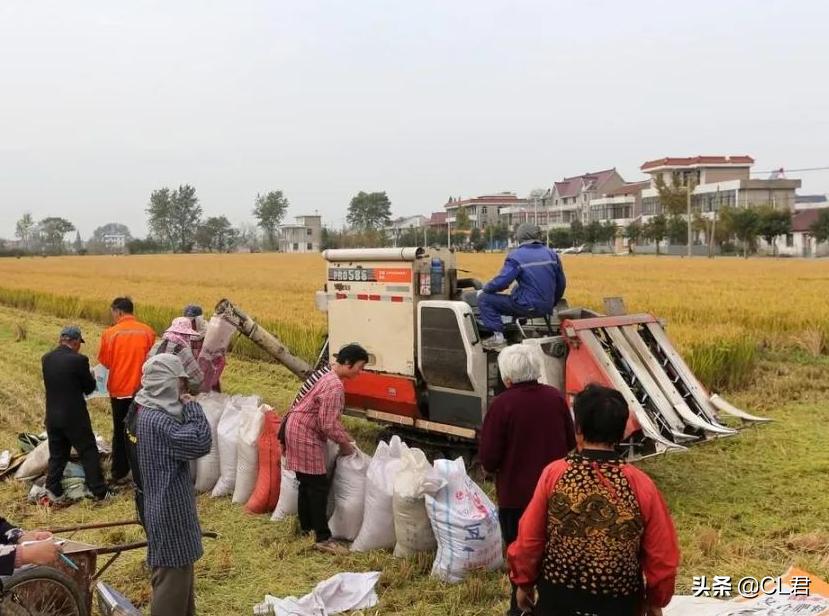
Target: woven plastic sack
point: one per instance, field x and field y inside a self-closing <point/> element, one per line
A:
<point x="377" y="529"/>
<point x="348" y="489"/>
<point x="247" y="451"/>
<point x="228" y="432"/>
<point x="412" y="528"/>
<point x="36" y="462"/>
<point x="465" y="523"/>
<point x="266" y="492"/>
<point x="286" y="505"/>
<point x="208" y="467"/>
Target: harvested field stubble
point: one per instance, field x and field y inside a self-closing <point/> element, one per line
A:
<point x="718" y="310"/>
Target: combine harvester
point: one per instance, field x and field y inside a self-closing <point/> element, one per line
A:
<point x="430" y="380"/>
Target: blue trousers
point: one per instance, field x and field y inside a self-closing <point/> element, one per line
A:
<point x="494" y="305"/>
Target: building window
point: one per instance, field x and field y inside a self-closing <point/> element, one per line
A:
<point x="789" y="240"/>
<point x="296" y="247"/>
<point x="309" y="246"/>
<point x="308" y="231"/>
<point x="483" y="210"/>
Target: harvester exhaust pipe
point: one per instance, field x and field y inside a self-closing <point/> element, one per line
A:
<point x="264" y="339"/>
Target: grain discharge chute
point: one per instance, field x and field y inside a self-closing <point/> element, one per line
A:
<point x="430" y="380"/>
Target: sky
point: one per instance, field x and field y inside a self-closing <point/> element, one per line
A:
<point x="102" y="102"/>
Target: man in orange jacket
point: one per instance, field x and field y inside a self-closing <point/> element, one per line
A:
<point x="124" y="348"/>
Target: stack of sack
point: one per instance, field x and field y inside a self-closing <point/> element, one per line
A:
<point x="243" y="461"/>
<point x="396" y="500"/>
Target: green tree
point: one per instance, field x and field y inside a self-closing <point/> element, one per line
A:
<point x="269" y="211"/>
<point x="23" y="230"/>
<point x="216" y="233"/>
<point x="656" y="229"/>
<point x="577" y="232"/>
<point x="369" y="211"/>
<point x="634" y="233"/>
<point x="593" y="232"/>
<point x="173" y="217"/>
<point x="674" y="198"/>
<point x="677" y="231"/>
<point x="476" y="239"/>
<point x="561" y="238"/>
<point x="78" y="244"/>
<point x="820" y="228"/>
<point x="744" y="224"/>
<point x="186" y="214"/>
<point x="772" y="224"/>
<point x="54" y="230"/>
<point x="607" y="233"/>
<point x="160" y="217"/>
<point x="146" y="246"/>
<point x="462" y="222"/>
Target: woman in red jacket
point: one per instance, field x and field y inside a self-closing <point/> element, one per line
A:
<point x="597" y="538"/>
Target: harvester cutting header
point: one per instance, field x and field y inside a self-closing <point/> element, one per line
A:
<point x="430" y="379"/>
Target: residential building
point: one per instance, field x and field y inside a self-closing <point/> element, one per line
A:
<point x="718" y="181"/>
<point x="484" y="210"/>
<point x="806" y="202"/>
<point x="620" y="205"/>
<point x="437" y="221"/>
<point x="115" y="242"/>
<point x="570" y="198"/>
<point x="800" y="242"/>
<point x="304" y="236"/>
<point x="407" y="222"/>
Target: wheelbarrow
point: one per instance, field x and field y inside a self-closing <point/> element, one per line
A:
<point x="66" y="588"/>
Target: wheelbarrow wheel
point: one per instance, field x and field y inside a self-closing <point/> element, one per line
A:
<point x="41" y="591"/>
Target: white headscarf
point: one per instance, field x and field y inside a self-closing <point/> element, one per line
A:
<point x="160" y="384"/>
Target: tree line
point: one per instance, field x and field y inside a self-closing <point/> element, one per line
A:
<point x="176" y="223"/>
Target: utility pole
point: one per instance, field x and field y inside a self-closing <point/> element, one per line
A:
<point x="689" y="189"/>
<point x="448" y="233"/>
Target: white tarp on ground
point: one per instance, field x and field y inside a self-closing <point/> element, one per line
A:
<point x="785" y="603"/>
<point x="774" y="605"/>
<point x="340" y="593"/>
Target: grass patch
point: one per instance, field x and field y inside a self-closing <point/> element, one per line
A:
<point x="745" y="505"/>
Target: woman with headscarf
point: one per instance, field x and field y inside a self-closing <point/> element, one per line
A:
<point x="197" y="322"/>
<point x="177" y="340"/>
<point x="166" y="429"/>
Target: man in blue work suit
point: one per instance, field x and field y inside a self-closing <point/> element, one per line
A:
<point x="541" y="283"/>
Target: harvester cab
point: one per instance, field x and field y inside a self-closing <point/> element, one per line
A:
<point x="430" y="379"/>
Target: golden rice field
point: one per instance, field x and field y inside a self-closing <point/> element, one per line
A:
<point x="718" y="311"/>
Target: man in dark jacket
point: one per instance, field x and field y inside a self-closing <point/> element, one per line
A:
<point x="541" y="284"/>
<point x="67" y="378"/>
<point x="526" y="428"/>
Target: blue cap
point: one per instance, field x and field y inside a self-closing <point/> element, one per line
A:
<point x="192" y="311"/>
<point x="72" y="332"/>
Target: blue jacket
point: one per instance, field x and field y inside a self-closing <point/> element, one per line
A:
<point x="540" y="277"/>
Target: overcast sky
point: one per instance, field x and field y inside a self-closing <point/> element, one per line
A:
<point x="101" y="102"/>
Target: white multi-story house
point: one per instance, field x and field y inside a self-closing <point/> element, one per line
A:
<point x="304" y="236"/>
<point x="570" y="198"/>
<point x="483" y="211"/>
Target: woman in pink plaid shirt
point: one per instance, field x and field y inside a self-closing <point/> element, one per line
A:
<point x="313" y="419"/>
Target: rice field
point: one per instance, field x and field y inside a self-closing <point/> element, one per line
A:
<point x="719" y="312"/>
<point x="748" y="505"/>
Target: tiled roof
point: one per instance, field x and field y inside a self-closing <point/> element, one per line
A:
<point x="691" y="161"/>
<point x="810" y="198"/>
<point x="629" y="188"/>
<point x="804" y="219"/>
<point x="437" y="218"/>
<point x="570" y="187"/>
